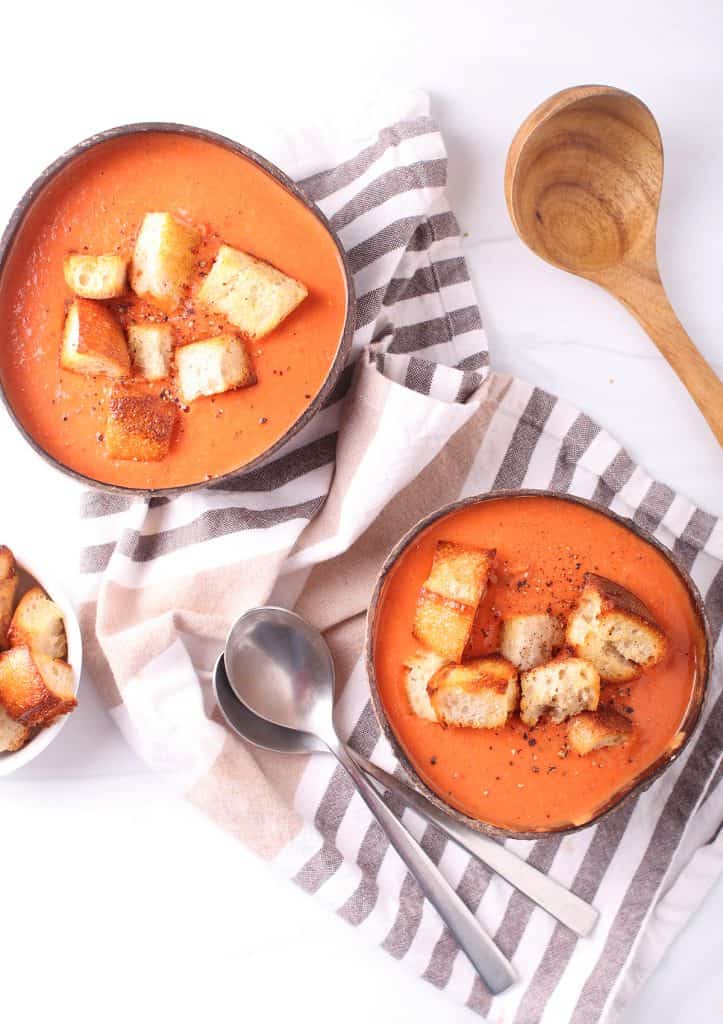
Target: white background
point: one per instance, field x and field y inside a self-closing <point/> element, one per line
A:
<point x="119" y="902"/>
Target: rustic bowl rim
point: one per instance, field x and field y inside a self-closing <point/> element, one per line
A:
<point x="637" y="785"/>
<point x="343" y="350"/>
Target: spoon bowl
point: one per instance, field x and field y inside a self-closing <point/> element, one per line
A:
<point x="583" y="181"/>
<point x="281" y="669"/>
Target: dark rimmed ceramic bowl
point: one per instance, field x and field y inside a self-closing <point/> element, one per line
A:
<point x="342" y="353"/>
<point x="637" y="785"/>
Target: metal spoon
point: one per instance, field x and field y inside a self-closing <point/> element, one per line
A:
<point x="558" y="901"/>
<point x="282" y="669"/>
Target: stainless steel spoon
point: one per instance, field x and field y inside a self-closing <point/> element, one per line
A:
<point x="282" y="669"/>
<point x="558" y="901"/>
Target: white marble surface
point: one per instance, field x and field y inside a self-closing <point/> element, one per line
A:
<point x="119" y="902"/>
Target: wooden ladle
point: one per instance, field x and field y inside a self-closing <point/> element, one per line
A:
<point x="582" y="182"/>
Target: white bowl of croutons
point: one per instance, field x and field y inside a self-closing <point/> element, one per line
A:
<point x="40" y="659"/>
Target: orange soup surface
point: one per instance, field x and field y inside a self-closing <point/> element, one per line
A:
<point x="518" y="777"/>
<point x="96" y="205"/>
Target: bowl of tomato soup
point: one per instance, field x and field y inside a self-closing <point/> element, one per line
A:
<point x="93" y="200"/>
<point x="515" y="781"/>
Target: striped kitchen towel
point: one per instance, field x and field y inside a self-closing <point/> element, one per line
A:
<point x="420" y="421"/>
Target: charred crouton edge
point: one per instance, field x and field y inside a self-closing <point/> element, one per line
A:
<point x="559" y="688"/>
<point x="590" y="730"/>
<point x="481" y="693"/>
<point x="139" y="426"/>
<point x="612" y="628"/>
<point x="34" y="688"/>
<point x="251" y="294"/>
<point x="450" y="596"/>
<point x="93" y="341"/>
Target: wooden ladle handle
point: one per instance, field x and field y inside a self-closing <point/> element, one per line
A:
<point x="641" y="291"/>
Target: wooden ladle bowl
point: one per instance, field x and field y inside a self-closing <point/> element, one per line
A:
<point x="583" y="181"/>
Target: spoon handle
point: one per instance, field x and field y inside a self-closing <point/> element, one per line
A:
<point x="641" y="291"/>
<point x="564" y="905"/>
<point x="494" y="969"/>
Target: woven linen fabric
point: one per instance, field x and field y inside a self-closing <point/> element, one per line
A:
<point x="419" y="420"/>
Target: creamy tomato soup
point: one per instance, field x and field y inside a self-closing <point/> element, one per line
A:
<point x="96" y="205"/>
<point x="518" y="777"/>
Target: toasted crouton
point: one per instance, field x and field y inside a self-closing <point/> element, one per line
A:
<point x="151" y="347"/>
<point x="530" y="640"/>
<point x="35" y="689"/>
<point x="93" y="341"/>
<point x="139" y="426"/>
<point x="13" y="735"/>
<point x="251" y="294"/>
<point x="95" y="277"/>
<point x="590" y="731"/>
<point x="418" y="673"/>
<point x="8" y="587"/>
<point x="614" y="630"/>
<point x="561" y="688"/>
<point x="449" y="597"/>
<point x="163" y="259"/>
<point x="480" y="694"/>
<point x="38" y="624"/>
<point x="212" y="366"/>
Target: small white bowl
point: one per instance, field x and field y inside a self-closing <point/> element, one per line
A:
<point x="34" y="575"/>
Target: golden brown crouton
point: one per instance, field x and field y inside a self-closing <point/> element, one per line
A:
<point x="13" y="735"/>
<point x="93" y="341"/>
<point x="449" y="597"/>
<point x="8" y="588"/>
<point x="531" y="640"/>
<point x="614" y="630"/>
<point x="35" y="689"/>
<point x="38" y="624"/>
<point x="251" y="294"/>
<point x="213" y="366"/>
<point x="151" y="347"/>
<point x="139" y="426"/>
<point x="95" y="277"/>
<point x="480" y="694"/>
<point x="590" y="731"/>
<point x="163" y="259"/>
<point x="418" y="673"/>
<point x="561" y="688"/>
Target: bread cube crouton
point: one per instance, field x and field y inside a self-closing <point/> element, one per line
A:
<point x="530" y="640"/>
<point x="612" y="628"/>
<point x="590" y="731"/>
<point x="163" y="260"/>
<point x="95" y="277"/>
<point x="93" y="341"/>
<point x="139" y="426"/>
<point x="151" y="347"/>
<point x="251" y="294"/>
<point x="34" y="688"/>
<point x="449" y="597"/>
<point x="480" y="694"/>
<point x="8" y="588"/>
<point x="561" y="688"/>
<point x="212" y="366"/>
<point x="13" y="735"/>
<point x="418" y="673"/>
<point x="38" y="624"/>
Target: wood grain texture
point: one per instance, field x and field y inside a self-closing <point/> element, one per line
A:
<point x="583" y="181"/>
